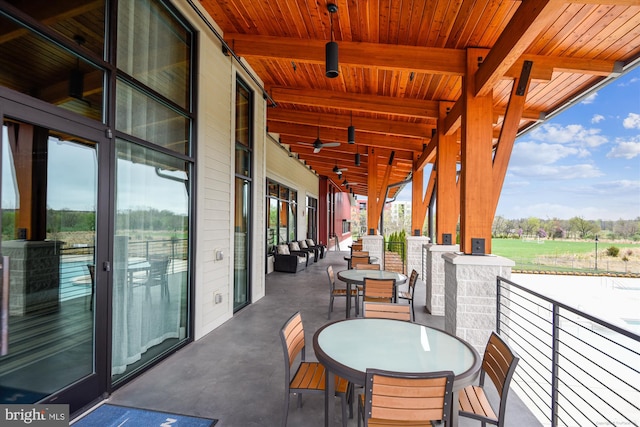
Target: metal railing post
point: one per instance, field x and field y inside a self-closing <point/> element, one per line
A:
<point x="498" y="287"/>
<point x="555" y="357"/>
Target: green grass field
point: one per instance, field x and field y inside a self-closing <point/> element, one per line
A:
<point x="565" y="255"/>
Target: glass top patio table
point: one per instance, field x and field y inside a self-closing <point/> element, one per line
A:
<point x="356" y="277"/>
<point x="348" y="347"/>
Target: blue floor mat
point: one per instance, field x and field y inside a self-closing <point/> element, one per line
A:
<point x="116" y="416"/>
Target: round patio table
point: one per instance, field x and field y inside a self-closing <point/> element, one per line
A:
<point x="348" y="347"/>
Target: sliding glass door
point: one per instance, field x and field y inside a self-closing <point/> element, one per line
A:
<point x="49" y="193"/>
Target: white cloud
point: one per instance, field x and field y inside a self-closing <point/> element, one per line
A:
<point x="632" y="121"/>
<point x="597" y="118"/>
<point x="622" y="186"/>
<point x="625" y="149"/>
<point x="560" y="173"/>
<point x="572" y="135"/>
<point x="532" y="153"/>
<point x="590" y="99"/>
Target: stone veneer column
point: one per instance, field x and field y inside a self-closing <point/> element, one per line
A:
<point x="414" y="254"/>
<point x="470" y="295"/>
<point x="435" y="276"/>
<point x="375" y="245"/>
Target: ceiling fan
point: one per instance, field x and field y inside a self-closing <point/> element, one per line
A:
<point x="338" y="170"/>
<point x="319" y="145"/>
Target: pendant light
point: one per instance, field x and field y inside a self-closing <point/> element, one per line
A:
<point x="351" y="132"/>
<point x="331" y="49"/>
<point x="357" y="160"/>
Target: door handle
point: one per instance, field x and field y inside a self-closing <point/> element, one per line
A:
<point x="4" y="307"/>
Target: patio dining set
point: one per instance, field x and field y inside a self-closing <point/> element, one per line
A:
<point x="397" y="371"/>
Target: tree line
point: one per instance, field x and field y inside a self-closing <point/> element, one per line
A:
<point x="66" y="220"/>
<point x="573" y="228"/>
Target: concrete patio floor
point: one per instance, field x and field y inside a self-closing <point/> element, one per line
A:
<point x="236" y="373"/>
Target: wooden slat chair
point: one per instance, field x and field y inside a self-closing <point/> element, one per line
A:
<point x="363" y="266"/>
<point x="368" y="267"/>
<point x="408" y="294"/>
<point x="356" y="246"/>
<point x="309" y="377"/>
<point x="383" y="310"/>
<point x="405" y="399"/>
<point x="355" y="260"/>
<point x="339" y="292"/>
<point x="379" y="290"/>
<point x="359" y="253"/>
<point x="499" y="362"/>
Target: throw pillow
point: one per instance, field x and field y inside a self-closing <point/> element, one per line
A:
<point x="310" y="242"/>
<point x="293" y="246"/>
<point x="283" y="250"/>
<point x="303" y="244"/>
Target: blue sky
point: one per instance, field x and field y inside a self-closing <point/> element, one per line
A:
<point x="582" y="162"/>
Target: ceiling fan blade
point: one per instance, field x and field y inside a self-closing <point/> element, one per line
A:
<point x="317" y="150"/>
<point x="330" y="144"/>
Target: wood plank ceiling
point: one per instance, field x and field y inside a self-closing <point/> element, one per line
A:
<point x="399" y="60"/>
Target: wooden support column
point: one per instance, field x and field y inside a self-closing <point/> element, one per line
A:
<point x="509" y="130"/>
<point x="476" y="185"/>
<point x="447" y="192"/>
<point x="417" y="218"/>
<point x="372" y="195"/>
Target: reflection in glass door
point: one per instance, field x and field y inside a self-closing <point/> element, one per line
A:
<point x="49" y="199"/>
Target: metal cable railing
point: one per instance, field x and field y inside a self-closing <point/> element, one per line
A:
<point x="575" y="369"/>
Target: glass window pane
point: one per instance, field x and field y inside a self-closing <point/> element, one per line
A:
<point x="272" y="225"/>
<point x="150" y="258"/>
<point x="243" y="116"/>
<point x="143" y="117"/>
<point x="243" y="162"/>
<point x="153" y="47"/>
<point x="241" y="243"/>
<point x="81" y="22"/>
<point x="284" y="193"/>
<point x="50" y="73"/>
<point x="293" y="231"/>
<point x="273" y="189"/>
<point x="283" y="216"/>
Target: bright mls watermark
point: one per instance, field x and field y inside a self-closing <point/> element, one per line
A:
<point x="34" y="415"/>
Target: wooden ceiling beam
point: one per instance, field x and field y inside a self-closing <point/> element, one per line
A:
<point x="406" y="107"/>
<point x="524" y="27"/>
<point x="357" y="54"/>
<point x="340" y="153"/>
<point x="402" y="58"/>
<point x="309" y="134"/>
<point x="362" y="124"/>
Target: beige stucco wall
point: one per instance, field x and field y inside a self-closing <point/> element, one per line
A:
<point x="215" y="191"/>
